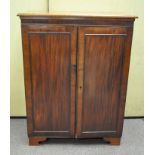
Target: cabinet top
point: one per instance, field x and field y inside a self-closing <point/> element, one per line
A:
<point x="77" y="14"/>
<point x="77" y="18"/>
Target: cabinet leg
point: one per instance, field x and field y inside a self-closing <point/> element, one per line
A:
<point x="36" y="140"/>
<point x="112" y="140"/>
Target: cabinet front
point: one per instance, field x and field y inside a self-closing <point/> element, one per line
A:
<point x="100" y="70"/>
<point x="49" y="61"/>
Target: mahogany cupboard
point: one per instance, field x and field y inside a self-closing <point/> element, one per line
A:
<point x="76" y="71"/>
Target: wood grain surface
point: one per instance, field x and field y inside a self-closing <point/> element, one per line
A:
<point x="100" y="63"/>
<point x="51" y="59"/>
<point x="76" y="72"/>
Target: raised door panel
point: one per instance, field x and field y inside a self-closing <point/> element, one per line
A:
<point x="101" y="55"/>
<point x="49" y="60"/>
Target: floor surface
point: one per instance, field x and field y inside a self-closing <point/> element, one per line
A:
<point x="132" y="142"/>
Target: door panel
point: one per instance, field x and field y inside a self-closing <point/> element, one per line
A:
<point x="100" y="60"/>
<point x="52" y="57"/>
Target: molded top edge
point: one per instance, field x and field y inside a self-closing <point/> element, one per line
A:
<point x="77" y="14"/>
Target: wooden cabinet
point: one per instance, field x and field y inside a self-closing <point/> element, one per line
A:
<point x="76" y="70"/>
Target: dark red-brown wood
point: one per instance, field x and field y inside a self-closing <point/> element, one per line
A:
<point x="36" y="140"/>
<point x="100" y="68"/>
<point x="113" y="141"/>
<point x="76" y="72"/>
<point x="49" y="59"/>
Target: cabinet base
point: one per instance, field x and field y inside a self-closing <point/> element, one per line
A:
<point x="36" y="140"/>
<point x="112" y="141"/>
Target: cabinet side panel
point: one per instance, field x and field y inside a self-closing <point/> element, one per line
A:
<point x="124" y="80"/>
<point x="27" y="80"/>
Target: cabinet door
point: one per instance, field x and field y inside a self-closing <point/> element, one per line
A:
<point x="103" y="63"/>
<point x="50" y="77"/>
